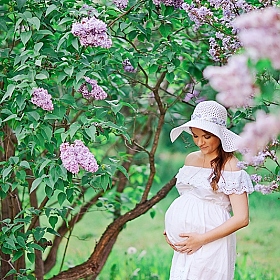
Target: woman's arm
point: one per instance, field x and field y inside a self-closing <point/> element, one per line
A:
<point x="240" y="218"/>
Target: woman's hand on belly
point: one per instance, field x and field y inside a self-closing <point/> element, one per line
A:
<point x="169" y="242"/>
<point x="192" y="242"/>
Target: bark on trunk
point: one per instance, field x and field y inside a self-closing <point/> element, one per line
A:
<point x="95" y="263"/>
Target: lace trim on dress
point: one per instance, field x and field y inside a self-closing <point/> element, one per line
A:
<point x="231" y="182"/>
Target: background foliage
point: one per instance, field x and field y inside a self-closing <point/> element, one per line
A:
<point x="41" y="202"/>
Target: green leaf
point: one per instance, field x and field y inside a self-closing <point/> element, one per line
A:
<point x="73" y="129"/>
<point x="17" y="255"/>
<point x="12" y="271"/>
<point x="38" y="234"/>
<point x="165" y="29"/>
<point x="9" y="92"/>
<point x="21" y="241"/>
<point x="44" y="164"/>
<point x="25" y="36"/>
<point x="10" y="242"/>
<point x="123" y="170"/>
<point x="50" y="9"/>
<point x="41" y="76"/>
<point x="91" y="131"/>
<point x="36" y="246"/>
<point x="13" y="116"/>
<point x="24" y="164"/>
<point x="31" y="257"/>
<point x="61" y="198"/>
<point x="35" y="184"/>
<point x="35" y="21"/>
<point x="21" y="3"/>
<point x="170" y="77"/>
<point x="7" y="171"/>
<point x="53" y="220"/>
<point x="33" y="116"/>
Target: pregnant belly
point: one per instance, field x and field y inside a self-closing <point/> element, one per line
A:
<point x="190" y="214"/>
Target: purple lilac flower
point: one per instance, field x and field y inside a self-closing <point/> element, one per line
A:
<point x="121" y="4"/>
<point x="198" y="15"/>
<point x="89" y="10"/>
<point x="256" y="178"/>
<point x="76" y="155"/>
<point x="84" y="157"/>
<point x="91" y="89"/>
<point x="157" y="2"/>
<point x="68" y="157"/>
<point x="128" y="67"/>
<point x="266" y="189"/>
<point x="256" y="135"/>
<point x="92" y="32"/>
<point x="242" y="164"/>
<point x="41" y="98"/>
<point x="175" y="3"/>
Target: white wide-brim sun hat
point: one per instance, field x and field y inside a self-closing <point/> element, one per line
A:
<point x="211" y="117"/>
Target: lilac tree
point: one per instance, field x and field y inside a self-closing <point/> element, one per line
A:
<point x="86" y="90"/>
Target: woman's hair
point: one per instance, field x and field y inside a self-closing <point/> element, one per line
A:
<point x="217" y="164"/>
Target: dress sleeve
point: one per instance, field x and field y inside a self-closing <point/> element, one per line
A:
<point x="235" y="183"/>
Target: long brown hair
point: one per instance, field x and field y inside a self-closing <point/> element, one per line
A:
<point x="218" y="164"/>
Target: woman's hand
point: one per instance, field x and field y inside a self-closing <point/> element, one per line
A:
<point x="192" y="242"/>
<point x="168" y="241"/>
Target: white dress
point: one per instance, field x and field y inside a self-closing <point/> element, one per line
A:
<point x="200" y="209"/>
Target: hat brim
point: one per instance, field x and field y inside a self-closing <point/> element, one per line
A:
<point x="228" y="138"/>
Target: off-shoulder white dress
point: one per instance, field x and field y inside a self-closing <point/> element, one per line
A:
<point x="200" y="209"/>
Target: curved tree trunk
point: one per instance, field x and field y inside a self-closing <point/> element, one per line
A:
<point x="93" y="266"/>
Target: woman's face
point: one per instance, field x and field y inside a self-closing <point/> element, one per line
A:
<point x="206" y="141"/>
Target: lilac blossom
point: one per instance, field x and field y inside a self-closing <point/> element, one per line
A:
<point x="76" y="155"/>
<point x="233" y="81"/>
<point x="91" y="89"/>
<point x="157" y="2"/>
<point x="194" y="95"/>
<point x="41" y="98"/>
<point x="256" y="135"/>
<point x="256" y="178"/>
<point x="266" y="189"/>
<point x="242" y="164"/>
<point x="92" y="32"/>
<point x="121" y="4"/>
<point x="128" y="67"/>
<point x="68" y="157"/>
<point x="199" y="16"/>
<point x="175" y="3"/>
<point x="259" y="33"/>
<point x="84" y="157"/>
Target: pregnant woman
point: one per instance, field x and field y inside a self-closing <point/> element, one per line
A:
<point x="200" y="224"/>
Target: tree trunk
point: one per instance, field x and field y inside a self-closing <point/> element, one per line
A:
<point x="93" y="266"/>
<point x="10" y="206"/>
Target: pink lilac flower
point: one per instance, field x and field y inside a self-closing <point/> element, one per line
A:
<point x="199" y="16"/>
<point x="68" y="157"/>
<point x="256" y="135"/>
<point x="91" y="89"/>
<point x="266" y="189"/>
<point x="92" y="32"/>
<point x="233" y="81"/>
<point x="175" y="3"/>
<point x="121" y="4"/>
<point x="157" y="2"/>
<point x="256" y="178"/>
<point x="76" y="155"/>
<point x="41" y="98"/>
<point x="259" y="33"/>
<point x="242" y="164"/>
<point x="84" y="157"/>
<point x="128" y="67"/>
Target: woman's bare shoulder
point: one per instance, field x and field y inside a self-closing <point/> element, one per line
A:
<point x="231" y="164"/>
<point x="193" y="158"/>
